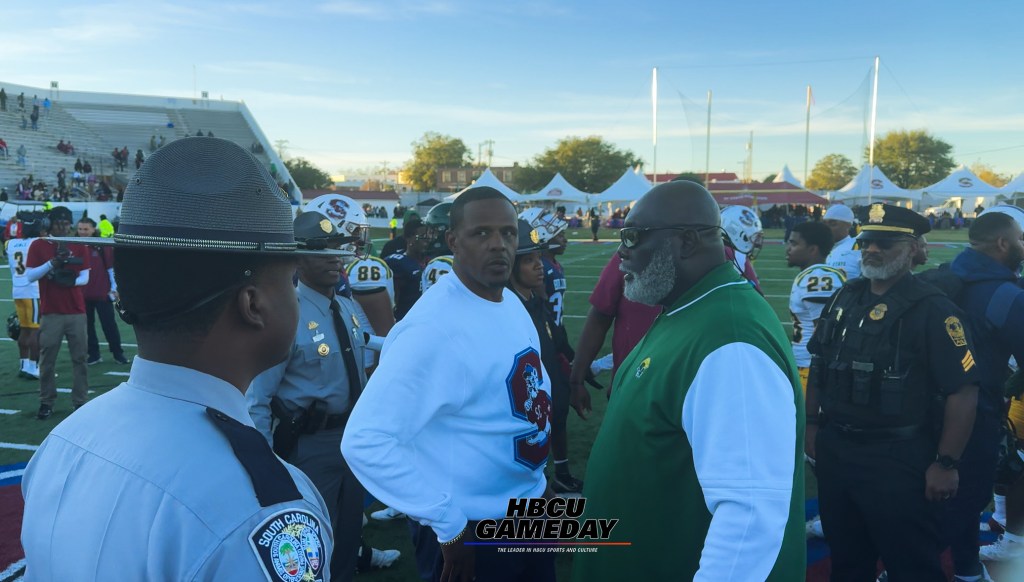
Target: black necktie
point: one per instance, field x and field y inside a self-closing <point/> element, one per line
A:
<point x="355" y="386"/>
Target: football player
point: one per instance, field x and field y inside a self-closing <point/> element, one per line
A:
<point x="440" y="264"/>
<point x="743" y="240"/>
<point x="408" y="265"/>
<point x="25" y="293"/>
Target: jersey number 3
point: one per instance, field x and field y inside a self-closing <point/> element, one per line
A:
<point x="19" y="260"/>
<point x="819" y="284"/>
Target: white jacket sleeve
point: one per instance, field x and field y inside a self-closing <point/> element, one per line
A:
<point x="414" y="384"/>
<point x="740" y="418"/>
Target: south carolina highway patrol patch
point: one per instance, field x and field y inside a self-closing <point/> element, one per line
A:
<point x="290" y="546"/>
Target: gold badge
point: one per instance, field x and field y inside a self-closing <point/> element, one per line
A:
<point x="955" y="329"/>
<point x="968" y="361"/>
<point x="325" y="225"/>
<point x="643" y="367"/>
<point x="877" y="213"/>
<point x="312" y="325"/>
<point x="534" y="236"/>
<point x="323" y="350"/>
<point x="878" y="311"/>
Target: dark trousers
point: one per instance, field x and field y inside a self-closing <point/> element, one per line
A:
<point x="977" y="476"/>
<point x="872" y="502"/>
<point x="494" y="565"/>
<point x="105" y="310"/>
<point x="319" y="457"/>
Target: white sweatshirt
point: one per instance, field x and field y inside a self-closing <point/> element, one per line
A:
<point x="456" y="418"/>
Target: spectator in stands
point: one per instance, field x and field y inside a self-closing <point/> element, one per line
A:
<point x="116" y="154"/>
<point x="24" y="122"/>
<point x="35" y="119"/>
<point x="106" y="228"/>
<point x="152" y="143"/>
<point x="3" y="99"/>
<point x="139" y="158"/>
<point x="273" y="170"/>
<point x="162" y="142"/>
<point x="87" y="168"/>
<point x="62" y="147"/>
<point x="199" y="133"/>
<point x="62" y="179"/>
<point x="209" y="134"/>
<point x="3" y="149"/>
<point x="21" y="102"/>
<point x="77" y="178"/>
<point x="124" y="157"/>
<point x="3" y="194"/>
<point x="22" y="152"/>
<point x="105" y="194"/>
<point x="46" y="106"/>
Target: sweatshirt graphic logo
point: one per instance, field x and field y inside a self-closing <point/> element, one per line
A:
<point x="530" y="402"/>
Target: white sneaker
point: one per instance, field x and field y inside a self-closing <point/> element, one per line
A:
<point x="1003" y="549"/>
<point x="383" y="558"/>
<point x="387" y="514"/>
<point x="814" y="529"/>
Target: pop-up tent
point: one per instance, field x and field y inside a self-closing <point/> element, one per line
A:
<point x="558" y="190"/>
<point x="628" y="188"/>
<point x="785" y="175"/>
<point x="962" y="183"/>
<point x="763" y="195"/>
<point x="871" y="184"/>
<point x="1013" y="189"/>
<point x="489" y="179"/>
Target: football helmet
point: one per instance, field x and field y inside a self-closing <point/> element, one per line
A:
<point x="349" y="220"/>
<point x="13" y="326"/>
<point x="545" y="222"/>
<point x="743" y="230"/>
<point x="438" y="221"/>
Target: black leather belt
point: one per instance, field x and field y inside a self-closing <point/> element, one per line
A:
<point x="878" y="434"/>
<point x="334" y="421"/>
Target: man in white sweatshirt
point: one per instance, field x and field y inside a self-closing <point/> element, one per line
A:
<point x="443" y="431"/>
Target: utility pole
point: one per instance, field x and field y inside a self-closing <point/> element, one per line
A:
<point x="748" y="167"/>
<point x="281" y="145"/>
<point x="490" y="152"/>
<point x="384" y="177"/>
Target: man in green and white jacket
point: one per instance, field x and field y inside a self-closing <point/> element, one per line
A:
<point x="700" y="455"/>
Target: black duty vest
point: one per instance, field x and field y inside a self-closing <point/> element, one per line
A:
<point x="869" y="376"/>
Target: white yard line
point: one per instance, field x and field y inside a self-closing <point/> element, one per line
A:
<point x="18" y="447"/>
<point x="68" y="391"/>
<point x="8" y="411"/>
<point x="117" y="374"/>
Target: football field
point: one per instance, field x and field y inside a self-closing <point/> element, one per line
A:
<point x="21" y="433"/>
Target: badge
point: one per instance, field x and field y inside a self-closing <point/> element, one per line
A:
<point x="643" y="367"/>
<point x="355" y="321"/>
<point x="878" y="311"/>
<point x="534" y="236"/>
<point x="968" y="361"/>
<point x="877" y="213"/>
<point x="955" y="329"/>
<point x="325" y="225"/>
<point x="289" y="546"/>
<point x="312" y="325"/>
<point x="318" y="337"/>
<point x="323" y="350"/>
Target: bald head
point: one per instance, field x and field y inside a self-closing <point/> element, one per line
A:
<point x="675" y="203"/>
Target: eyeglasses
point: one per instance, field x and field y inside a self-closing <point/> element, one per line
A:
<point x="631" y="235"/>
<point x="882" y="243"/>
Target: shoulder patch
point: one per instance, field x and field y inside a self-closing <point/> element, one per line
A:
<point x="956" y="331"/>
<point x="290" y="546"/>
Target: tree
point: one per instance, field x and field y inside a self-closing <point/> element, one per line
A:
<point x="913" y="159"/>
<point x="986" y="173"/>
<point x="306" y="175"/>
<point x="769" y="179"/>
<point x="831" y="172"/>
<point x="589" y="163"/>
<point x="433" y="151"/>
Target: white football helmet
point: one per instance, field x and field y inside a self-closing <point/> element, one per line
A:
<point x="1015" y="212"/>
<point x="544" y="222"/>
<point x="743" y="230"/>
<point x="348" y="218"/>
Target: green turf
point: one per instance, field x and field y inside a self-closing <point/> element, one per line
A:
<point x="583" y="263"/>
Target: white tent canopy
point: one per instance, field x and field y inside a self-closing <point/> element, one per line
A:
<point x="1015" y="186"/>
<point x="558" y="190"/>
<point x="628" y="188"/>
<point x="962" y="183"/>
<point x="489" y="179"/>
<point x="785" y="175"/>
<point x="871" y="182"/>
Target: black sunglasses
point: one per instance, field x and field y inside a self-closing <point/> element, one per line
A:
<point x="631" y="235"/>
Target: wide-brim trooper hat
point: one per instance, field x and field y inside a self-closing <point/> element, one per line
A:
<point x="884" y="221"/>
<point x="204" y="194"/>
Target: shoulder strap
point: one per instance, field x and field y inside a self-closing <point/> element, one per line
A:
<point x="1002" y="300"/>
<point x="270" y="478"/>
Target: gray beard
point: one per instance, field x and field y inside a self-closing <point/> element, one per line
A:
<point x="656" y="281"/>
<point x="887" y="270"/>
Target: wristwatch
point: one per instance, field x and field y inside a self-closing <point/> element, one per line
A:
<point x="947" y="462"/>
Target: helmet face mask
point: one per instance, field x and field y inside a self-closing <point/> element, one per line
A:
<point x="743" y="230"/>
<point x="438" y="222"/>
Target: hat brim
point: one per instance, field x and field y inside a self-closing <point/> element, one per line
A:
<point x="532" y="249"/>
<point x="884" y="235"/>
<point x="186" y="246"/>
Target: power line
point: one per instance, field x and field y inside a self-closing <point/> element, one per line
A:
<point x="766" y="64"/>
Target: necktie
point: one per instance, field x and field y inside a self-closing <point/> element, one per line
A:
<point x="355" y="386"/>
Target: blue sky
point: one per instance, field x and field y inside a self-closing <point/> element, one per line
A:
<point x="350" y="84"/>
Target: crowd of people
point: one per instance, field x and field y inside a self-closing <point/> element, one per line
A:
<point x="438" y="377"/>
